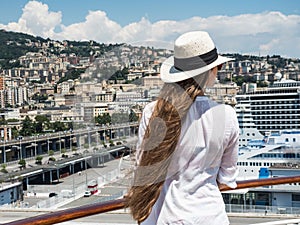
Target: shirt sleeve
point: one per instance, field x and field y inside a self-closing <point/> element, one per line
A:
<point x="147" y="112"/>
<point x="228" y="171"/>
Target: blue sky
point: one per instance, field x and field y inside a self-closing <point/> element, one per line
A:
<point x="243" y="26"/>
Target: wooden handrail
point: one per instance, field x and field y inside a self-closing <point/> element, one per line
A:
<point x="264" y="182"/>
<point x="96" y="208"/>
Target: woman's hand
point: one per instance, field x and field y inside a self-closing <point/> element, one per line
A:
<point x="222" y="186"/>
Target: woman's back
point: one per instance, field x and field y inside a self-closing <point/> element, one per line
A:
<point x="187" y="144"/>
<point x="190" y="194"/>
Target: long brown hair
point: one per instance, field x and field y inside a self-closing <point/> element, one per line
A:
<point x="160" y="141"/>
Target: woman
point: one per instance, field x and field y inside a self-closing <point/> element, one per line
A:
<point x="188" y="144"/>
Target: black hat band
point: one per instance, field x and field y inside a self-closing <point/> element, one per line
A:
<point x="195" y="62"/>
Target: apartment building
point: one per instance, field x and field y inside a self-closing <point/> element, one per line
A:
<point x="152" y="81"/>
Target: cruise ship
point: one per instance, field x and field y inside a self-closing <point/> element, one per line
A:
<point x="270" y="109"/>
<point x="277" y="154"/>
<point x="275" y="149"/>
<point x="269" y="121"/>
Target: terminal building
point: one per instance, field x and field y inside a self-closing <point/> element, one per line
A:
<point x="11" y="193"/>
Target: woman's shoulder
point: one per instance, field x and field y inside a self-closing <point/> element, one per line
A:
<point x="150" y="107"/>
<point x="230" y="109"/>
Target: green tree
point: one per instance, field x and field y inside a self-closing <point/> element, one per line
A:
<point x="41" y="122"/>
<point x="71" y="74"/>
<point x="103" y="119"/>
<point x="132" y="116"/>
<point x="111" y="143"/>
<point x="51" y="152"/>
<point x="38" y="160"/>
<point x="262" y="84"/>
<point x="22" y="163"/>
<point x="3" y="168"/>
<point x="12" y="120"/>
<point x="3" y="121"/>
<point x="14" y="132"/>
<point x="40" y="98"/>
<point x="120" y="74"/>
<point x="58" y="126"/>
<point x="27" y="127"/>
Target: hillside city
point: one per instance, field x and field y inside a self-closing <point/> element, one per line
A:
<point x="112" y="86"/>
<point x="70" y="113"/>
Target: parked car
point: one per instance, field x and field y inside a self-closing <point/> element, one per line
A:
<point x="87" y="194"/>
<point x="52" y="194"/>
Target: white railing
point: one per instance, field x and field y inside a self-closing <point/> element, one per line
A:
<point x="61" y="200"/>
<point x="263" y="210"/>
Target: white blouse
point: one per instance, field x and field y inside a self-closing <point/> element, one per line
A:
<point x="206" y="154"/>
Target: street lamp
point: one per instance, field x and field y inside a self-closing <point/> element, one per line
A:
<point x="89" y="137"/>
<point x="48" y="143"/>
<point x="70" y="142"/>
<point x="97" y="137"/>
<point x="35" y="152"/>
<point x="4" y="153"/>
<point x="21" y="154"/>
<point x="59" y="142"/>
<point x="65" y="147"/>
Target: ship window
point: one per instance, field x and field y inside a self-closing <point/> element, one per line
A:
<point x="296" y="197"/>
<point x="286" y="140"/>
<point x="294" y="139"/>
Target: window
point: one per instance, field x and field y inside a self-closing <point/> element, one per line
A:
<point x="296" y="197"/>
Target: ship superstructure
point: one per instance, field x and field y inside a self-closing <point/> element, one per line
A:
<point x="271" y="109"/>
<point x="276" y="155"/>
<point x="276" y="148"/>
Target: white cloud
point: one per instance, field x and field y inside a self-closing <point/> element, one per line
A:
<point x="36" y="20"/>
<point x="97" y="26"/>
<point x="262" y="33"/>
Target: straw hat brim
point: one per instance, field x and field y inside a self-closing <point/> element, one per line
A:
<point x="169" y="74"/>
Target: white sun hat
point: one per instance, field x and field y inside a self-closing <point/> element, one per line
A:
<point x="194" y="54"/>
